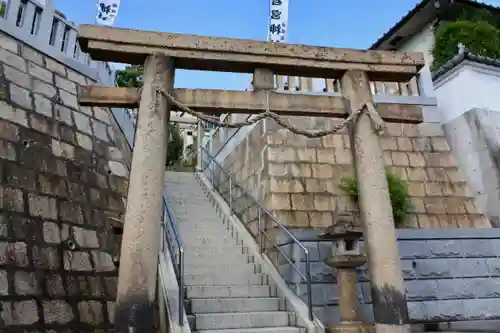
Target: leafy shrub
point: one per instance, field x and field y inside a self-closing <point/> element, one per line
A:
<point x="398" y="193"/>
<point x="3" y="8"/>
<point x="479" y="37"/>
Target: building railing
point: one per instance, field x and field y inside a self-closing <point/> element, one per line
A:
<point x="317" y="85"/>
<point x="52" y="33"/>
<point x="240" y="201"/>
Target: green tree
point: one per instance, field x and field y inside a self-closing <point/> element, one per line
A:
<point x="175" y="145"/>
<point x="191" y="154"/>
<point x="3" y="8"/>
<point x="131" y="77"/>
<point x="479" y="37"/>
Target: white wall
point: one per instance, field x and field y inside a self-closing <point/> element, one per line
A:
<point x="421" y="42"/>
<point x="469" y="85"/>
<point x="475" y="143"/>
<point x="469" y="106"/>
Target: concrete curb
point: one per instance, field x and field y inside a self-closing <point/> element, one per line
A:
<point x="166" y="275"/>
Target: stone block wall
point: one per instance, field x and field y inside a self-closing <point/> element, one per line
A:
<point x="474" y="139"/>
<point x="302" y="176"/>
<point x="63" y="186"/>
<point x="248" y="162"/>
<point x="248" y="165"/>
<point x="450" y="275"/>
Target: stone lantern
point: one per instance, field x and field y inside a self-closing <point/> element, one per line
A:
<point x="346" y="257"/>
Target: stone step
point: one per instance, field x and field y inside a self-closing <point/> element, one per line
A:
<point x="236" y="279"/>
<point x="202" y="210"/>
<point x="178" y="189"/>
<point x="198" y="219"/>
<point x="207" y="239"/>
<point x="198" y="215"/>
<point x="198" y="207"/>
<point x="216" y="232"/>
<point x="258" y="330"/>
<point x="220" y="268"/>
<point x="209" y="219"/>
<point x="228" y="291"/>
<point x="210" y="249"/>
<point x="171" y="187"/>
<point x="183" y="191"/>
<point x="224" y="305"/>
<point x="227" y="258"/>
<point x="230" y="243"/>
<point x="203" y="225"/>
<point x="217" y="228"/>
<point x="182" y="180"/>
<point x="215" y="321"/>
<point x="220" y="261"/>
<point x="190" y="199"/>
<point x="183" y="203"/>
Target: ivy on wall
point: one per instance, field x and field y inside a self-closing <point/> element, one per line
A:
<point x="477" y="30"/>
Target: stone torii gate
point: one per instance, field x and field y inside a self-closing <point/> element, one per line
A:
<point x="161" y="53"/>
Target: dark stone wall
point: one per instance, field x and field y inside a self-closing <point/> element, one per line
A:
<point x="450" y="275"/>
<point x="63" y="184"/>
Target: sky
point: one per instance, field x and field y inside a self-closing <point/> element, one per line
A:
<point x="334" y="23"/>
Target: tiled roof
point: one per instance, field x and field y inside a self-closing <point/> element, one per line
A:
<point x="398" y="25"/>
<point x="415" y="10"/>
<point x="463" y="55"/>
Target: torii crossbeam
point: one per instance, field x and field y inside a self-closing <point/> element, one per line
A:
<point x="162" y="53"/>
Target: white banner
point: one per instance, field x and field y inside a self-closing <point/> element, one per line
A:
<point x="107" y="11"/>
<point x="278" y="21"/>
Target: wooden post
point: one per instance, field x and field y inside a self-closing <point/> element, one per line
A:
<point x="140" y="242"/>
<point x="387" y="289"/>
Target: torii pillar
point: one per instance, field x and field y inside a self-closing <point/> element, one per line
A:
<point x="136" y="295"/>
<point x="390" y="310"/>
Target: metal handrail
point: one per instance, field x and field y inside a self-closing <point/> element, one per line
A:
<point x="178" y="264"/>
<point x="261" y="231"/>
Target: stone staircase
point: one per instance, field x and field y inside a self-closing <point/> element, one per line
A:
<point x="225" y="289"/>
